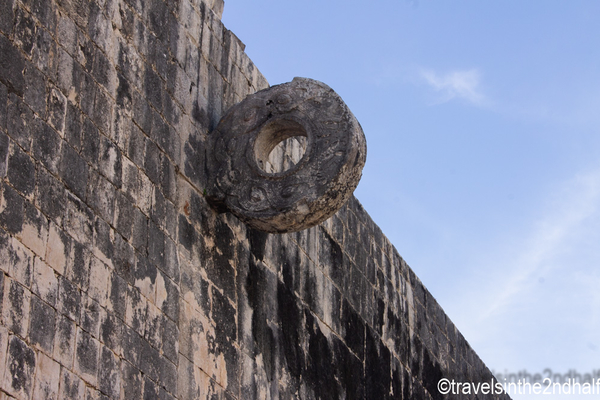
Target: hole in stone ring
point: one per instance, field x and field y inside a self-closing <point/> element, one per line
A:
<point x="280" y="145"/>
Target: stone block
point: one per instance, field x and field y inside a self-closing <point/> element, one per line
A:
<point x="92" y="314"/>
<point x="156" y="245"/>
<point x="127" y="21"/>
<point x="66" y="33"/>
<point x="154" y="88"/>
<point x="44" y="12"/>
<point x="58" y="248"/>
<point x="144" y="277"/>
<point x="6" y="16"/>
<point x="153" y="323"/>
<point x="187" y="233"/>
<point x="103" y="241"/>
<point x="224" y="315"/>
<point x="159" y="54"/>
<point x="215" y="98"/>
<point x="3" y="332"/>
<point x="78" y="266"/>
<point x="353" y="329"/>
<point x="16" y="306"/>
<point x="73" y="170"/>
<point x="132" y="66"/>
<point x="104" y="72"/>
<point x="110" y="161"/>
<point x="25" y="30"/>
<point x="93" y="394"/>
<point x="12" y="66"/>
<point x="42" y="322"/>
<point x="101" y="196"/>
<point x="64" y="341"/>
<point x="85" y="86"/>
<point x="35" y="90"/>
<point x="153" y="390"/>
<point x="11" y="209"/>
<point x="91" y="137"/>
<point x="181" y="88"/>
<point x="51" y="196"/>
<point x="57" y="110"/>
<point x="136" y="310"/>
<point x="142" y="113"/>
<point x="87" y="351"/>
<point x="44" y="282"/>
<point x="20" y="368"/>
<point x="131" y="180"/>
<point x="123" y="259"/>
<point x="194" y="289"/>
<point x="69" y="299"/>
<point x="46" y="146"/>
<point x="153" y="162"/>
<point x="188" y="379"/>
<point x="15" y="259"/>
<point x="124" y="213"/>
<point x="135" y="146"/>
<point x="171" y="266"/>
<point x="99" y="278"/>
<point x="122" y="123"/>
<point x="47" y="378"/>
<point x="131" y="381"/>
<point x="42" y="53"/>
<point x="72" y="387"/>
<point x="158" y="19"/>
<point x="167" y="375"/>
<point x="111" y="329"/>
<point x="4" y="146"/>
<point x="34" y="233"/>
<point x="159" y="209"/>
<point x="168" y="182"/>
<point x="21" y="171"/>
<point x="140" y="232"/>
<point x="102" y="113"/>
<point x="20" y="121"/>
<point x="172" y="113"/>
<point x="161" y="134"/>
<point x="158" y="368"/>
<point x="167" y="296"/>
<point x="73" y="126"/>
<point x="109" y="376"/>
<point x="68" y="74"/>
<point x="170" y="340"/>
<point x="100" y="27"/>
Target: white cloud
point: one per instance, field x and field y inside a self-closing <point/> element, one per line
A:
<point x="464" y="85"/>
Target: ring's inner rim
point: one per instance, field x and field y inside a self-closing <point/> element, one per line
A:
<point x="272" y="134"/>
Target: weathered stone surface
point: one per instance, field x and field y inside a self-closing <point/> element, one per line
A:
<point x="42" y="325"/>
<point x="117" y="277"/>
<point x="47" y="378"/>
<point x="20" y="368"/>
<point x="283" y="195"/>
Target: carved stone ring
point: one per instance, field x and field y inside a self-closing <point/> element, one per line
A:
<point x="286" y="158"/>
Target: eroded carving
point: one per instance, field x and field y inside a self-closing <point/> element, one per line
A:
<point x="275" y="193"/>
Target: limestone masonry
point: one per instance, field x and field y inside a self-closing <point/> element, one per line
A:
<point x="118" y="280"/>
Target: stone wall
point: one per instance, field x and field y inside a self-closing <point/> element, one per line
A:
<point x="117" y="280"/>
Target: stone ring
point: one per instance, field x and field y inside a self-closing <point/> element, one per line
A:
<point x="286" y="158"/>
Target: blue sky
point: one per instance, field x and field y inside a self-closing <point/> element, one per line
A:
<point x="482" y="121"/>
